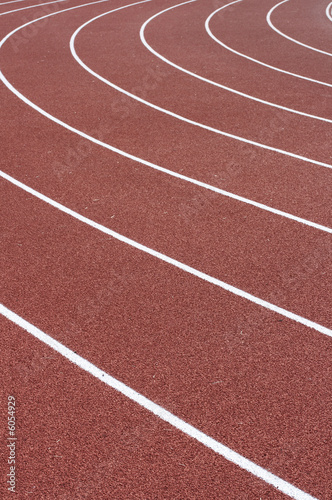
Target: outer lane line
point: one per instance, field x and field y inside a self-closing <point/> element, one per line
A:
<point x="328" y="11"/>
<point x="212" y="82"/>
<point x="268" y="18"/>
<point x="169" y="260"/>
<point x="157" y="410"/>
<point x="207" y="27"/>
<point x="139" y="160"/>
<point x="31" y="7"/>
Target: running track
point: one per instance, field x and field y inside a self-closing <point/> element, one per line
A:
<point x="166" y="235"/>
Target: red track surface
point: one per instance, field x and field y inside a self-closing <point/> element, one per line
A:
<point x="254" y="380"/>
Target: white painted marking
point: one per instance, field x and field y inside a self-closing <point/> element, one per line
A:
<point x="328" y="11"/>
<point x="207" y="27"/>
<point x="226" y="134"/>
<point x="229" y="89"/>
<point x="158" y="108"/>
<point x="169" y="260"/>
<point x="139" y="160"/>
<point x="12" y="1"/>
<point x="31" y="7"/>
<point x="157" y="410"/>
<point x="268" y="18"/>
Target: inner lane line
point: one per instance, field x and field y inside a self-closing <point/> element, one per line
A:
<point x="229" y="89"/>
<point x="268" y="18"/>
<point x="328" y="11"/>
<point x="158" y="108"/>
<point x="226" y="134"/>
<point x="207" y="27"/>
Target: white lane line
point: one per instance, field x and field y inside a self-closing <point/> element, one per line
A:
<point x="220" y="132"/>
<point x="169" y="260"/>
<point x="31" y="7"/>
<point x="12" y="1"/>
<point x="144" y="162"/>
<point x="212" y="82"/>
<point x="328" y="11"/>
<point x="157" y="410"/>
<point x="268" y="18"/>
<point x="158" y="108"/>
<point x="229" y="89"/>
<point x="207" y="27"/>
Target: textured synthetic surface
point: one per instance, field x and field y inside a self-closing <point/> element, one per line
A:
<point x="255" y="380"/>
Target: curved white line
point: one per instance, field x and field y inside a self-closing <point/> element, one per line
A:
<point x="12" y="1"/>
<point x="144" y="162"/>
<point x="268" y="18"/>
<point x="135" y="158"/>
<point x="211" y="82"/>
<point x="169" y="260"/>
<point x="107" y="82"/>
<point x="253" y="468"/>
<point x="328" y="11"/>
<point x="170" y="113"/>
<point x="207" y="27"/>
<point x="229" y="89"/>
<point x="157" y="410"/>
<point x="31" y="7"/>
<point x="226" y="134"/>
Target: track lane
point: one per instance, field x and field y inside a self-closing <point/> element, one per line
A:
<point x="276" y="54"/>
<point x="241" y="103"/>
<point x="233" y="90"/>
<point x="133" y="452"/>
<point x="241" y="139"/>
<point x="157" y="90"/>
<point x="12" y="1"/>
<point x="28" y="15"/>
<point x="302" y="158"/>
<point x="209" y="249"/>
<point x="123" y="298"/>
<point x="266" y="476"/>
<point x="270" y="23"/>
<point x="56" y="100"/>
<point x="211" y="129"/>
<point x="180" y="215"/>
<point x="314" y="14"/>
<point x="222" y="67"/>
<point x="198" y="273"/>
<point x="89" y="326"/>
<point x="65" y="161"/>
